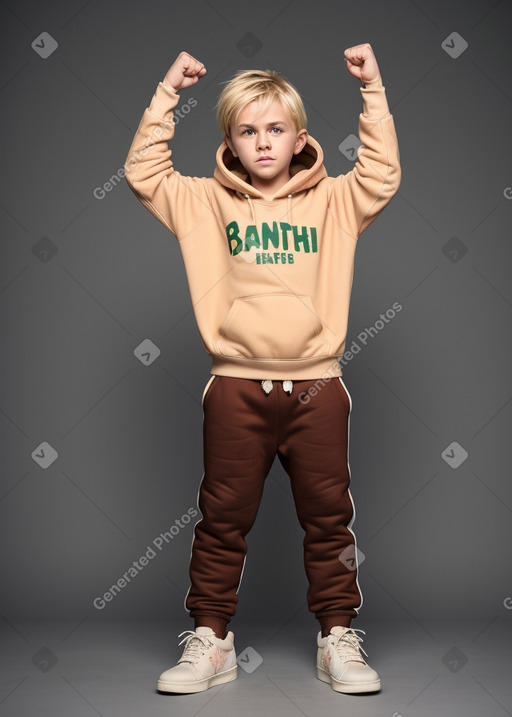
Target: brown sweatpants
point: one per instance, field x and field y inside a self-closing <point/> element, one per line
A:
<point x="243" y="430"/>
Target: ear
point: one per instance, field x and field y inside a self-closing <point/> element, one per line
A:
<point x="300" y="142"/>
<point x="230" y="145"/>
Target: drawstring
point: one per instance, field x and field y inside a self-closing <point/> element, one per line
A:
<point x="288" y="208"/>
<point x="247" y="196"/>
<point x="267" y="386"/>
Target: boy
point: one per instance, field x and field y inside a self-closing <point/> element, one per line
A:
<point x="268" y="244"/>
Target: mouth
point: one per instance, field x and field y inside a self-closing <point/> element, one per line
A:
<point x="265" y="160"/>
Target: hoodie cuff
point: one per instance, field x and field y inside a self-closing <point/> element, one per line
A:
<point x="163" y="100"/>
<point x="375" y="102"/>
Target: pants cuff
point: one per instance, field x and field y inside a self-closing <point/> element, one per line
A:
<point x="329" y="621"/>
<point x="217" y="624"/>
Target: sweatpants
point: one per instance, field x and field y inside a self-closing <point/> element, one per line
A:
<point x="243" y="429"/>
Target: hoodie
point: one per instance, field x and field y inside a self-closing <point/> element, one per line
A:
<point x="270" y="280"/>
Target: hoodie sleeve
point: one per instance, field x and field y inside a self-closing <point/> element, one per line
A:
<point x="359" y="196"/>
<point x="176" y="200"/>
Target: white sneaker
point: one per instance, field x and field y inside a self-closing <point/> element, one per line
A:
<point x="206" y="661"/>
<point x="340" y="663"/>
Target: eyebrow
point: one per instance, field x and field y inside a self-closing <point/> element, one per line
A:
<point x="268" y="124"/>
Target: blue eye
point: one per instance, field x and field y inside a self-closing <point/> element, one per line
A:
<point x="276" y="130"/>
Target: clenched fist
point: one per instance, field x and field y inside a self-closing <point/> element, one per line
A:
<point x="361" y="63"/>
<point x="184" y="72"/>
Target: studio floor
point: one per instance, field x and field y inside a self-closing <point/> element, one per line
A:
<point x="110" y="669"/>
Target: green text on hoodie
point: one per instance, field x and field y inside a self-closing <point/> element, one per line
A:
<point x="270" y="281"/>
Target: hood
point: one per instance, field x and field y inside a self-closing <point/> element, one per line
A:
<point x="306" y="170"/>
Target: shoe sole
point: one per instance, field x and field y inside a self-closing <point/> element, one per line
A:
<point x="349" y="688"/>
<point x="201" y="685"/>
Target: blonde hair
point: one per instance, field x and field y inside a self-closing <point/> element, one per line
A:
<point x="264" y="86"/>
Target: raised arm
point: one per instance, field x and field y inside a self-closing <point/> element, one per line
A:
<point x="359" y="196"/>
<point x="176" y="200"/>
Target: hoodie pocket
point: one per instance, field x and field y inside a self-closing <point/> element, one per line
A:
<point x="272" y="326"/>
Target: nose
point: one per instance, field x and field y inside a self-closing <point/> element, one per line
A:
<point x="263" y="141"/>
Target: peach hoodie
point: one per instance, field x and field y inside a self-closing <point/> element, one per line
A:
<point x="270" y="281"/>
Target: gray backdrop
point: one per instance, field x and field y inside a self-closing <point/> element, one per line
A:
<point x="102" y="446"/>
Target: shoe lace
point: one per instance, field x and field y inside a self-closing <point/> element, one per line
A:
<point x="194" y="646"/>
<point x="348" y="646"/>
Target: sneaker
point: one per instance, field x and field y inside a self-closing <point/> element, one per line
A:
<point x="340" y="663"/>
<point x="206" y="661"/>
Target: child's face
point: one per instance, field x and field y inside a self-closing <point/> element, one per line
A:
<point x="265" y="144"/>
